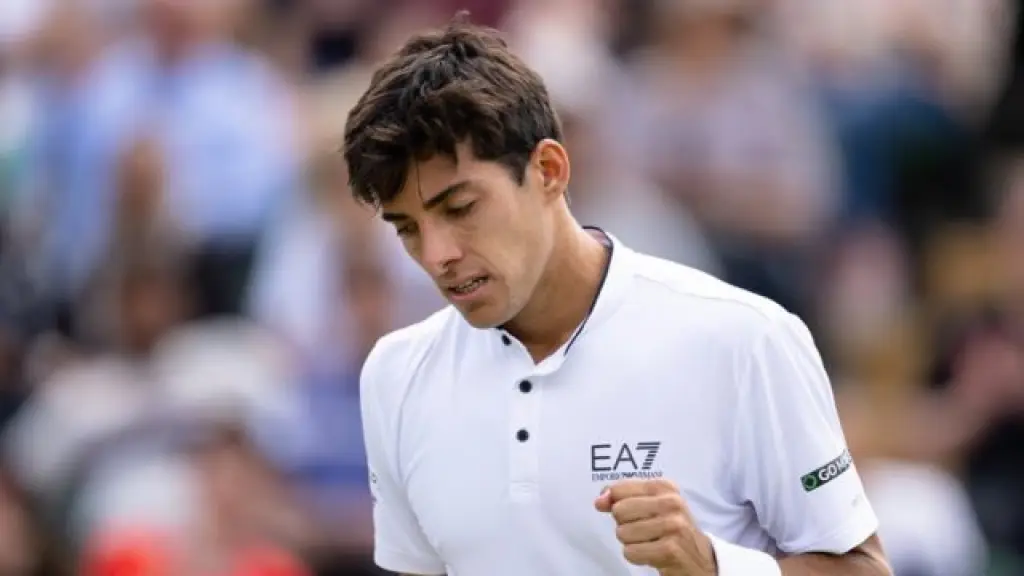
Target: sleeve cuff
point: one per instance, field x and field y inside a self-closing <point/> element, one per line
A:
<point x="845" y="537"/>
<point x="736" y="560"/>
<point x="405" y="564"/>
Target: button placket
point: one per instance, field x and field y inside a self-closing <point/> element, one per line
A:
<point x="524" y="437"/>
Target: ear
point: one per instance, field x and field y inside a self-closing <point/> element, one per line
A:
<point x="550" y="161"/>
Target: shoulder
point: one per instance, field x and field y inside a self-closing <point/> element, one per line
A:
<point x="397" y="358"/>
<point x="756" y="337"/>
<point x="704" y="304"/>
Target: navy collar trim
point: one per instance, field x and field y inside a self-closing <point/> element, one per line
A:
<point x="609" y="245"/>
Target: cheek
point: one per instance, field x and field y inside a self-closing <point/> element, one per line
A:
<point x="518" y="264"/>
<point x="412" y="249"/>
<point x="520" y="243"/>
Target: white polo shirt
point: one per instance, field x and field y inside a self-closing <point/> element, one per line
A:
<point x="484" y="463"/>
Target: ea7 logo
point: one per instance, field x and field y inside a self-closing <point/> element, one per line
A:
<point x="621" y="461"/>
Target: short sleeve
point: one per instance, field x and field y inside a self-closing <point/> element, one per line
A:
<point x="399" y="543"/>
<point x="791" y="457"/>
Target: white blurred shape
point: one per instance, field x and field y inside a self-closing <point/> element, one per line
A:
<point x="927" y="523"/>
<point x="224" y="370"/>
<point x="156" y="492"/>
<point x="20" y="19"/>
<point x="561" y="41"/>
<point x="76" y="407"/>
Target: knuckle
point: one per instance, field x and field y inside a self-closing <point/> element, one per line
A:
<point x="619" y="510"/>
<point x="633" y="555"/>
<point x="625" y="487"/>
<point x="665" y="553"/>
<point x="620" y="490"/>
<point x="667" y="484"/>
<point x="675" y="524"/>
<point x="670" y="502"/>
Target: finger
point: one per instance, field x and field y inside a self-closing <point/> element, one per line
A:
<point x="635" y="509"/>
<point x="630" y="489"/>
<point x="651" y="529"/>
<point x="658" y="553"/>
<point x="634" y="488"/>
<point x="604" y="501"/>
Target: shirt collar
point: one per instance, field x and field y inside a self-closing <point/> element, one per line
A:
<point x="611" y="290"/>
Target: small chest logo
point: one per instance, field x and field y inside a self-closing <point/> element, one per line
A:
<point x="611" y="462"/>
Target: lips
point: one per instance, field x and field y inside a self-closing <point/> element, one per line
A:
<point x="468" y="286"/>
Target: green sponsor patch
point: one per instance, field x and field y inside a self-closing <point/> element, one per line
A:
<point x="827" y="473"/>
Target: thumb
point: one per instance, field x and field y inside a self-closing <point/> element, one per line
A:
<point x="604" y="501"/>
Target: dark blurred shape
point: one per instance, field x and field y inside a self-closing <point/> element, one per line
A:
<point x="981" y="359"/>
<point x="632" y="24"/>
<point x="26" y="547"/>
<point x="13" y="389"/>
<point x="140" y="294"/>
<point x="221" y="275"/>
<point x="938" y="172"/>
<point x="140" y="182"/>
<point x="954" y="336"/>
<point x="154" y="298"/>
<point x="1005" y="127"/>
<point x="334" y="563"/>
<point x="140" y="290"/>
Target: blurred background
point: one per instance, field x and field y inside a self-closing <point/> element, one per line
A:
<point x="187" y="291"/>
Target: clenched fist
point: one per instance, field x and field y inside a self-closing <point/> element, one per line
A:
<point x="656" y="528"/>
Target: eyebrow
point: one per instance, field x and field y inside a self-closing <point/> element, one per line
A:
<point x="429" y="204"/>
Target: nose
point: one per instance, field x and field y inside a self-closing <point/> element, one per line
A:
<point x="439" y="249"/>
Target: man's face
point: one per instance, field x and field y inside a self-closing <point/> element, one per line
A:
<point x="151" y="306"/>
<point x="482" y="237"/>
<point x="174" y="24"/>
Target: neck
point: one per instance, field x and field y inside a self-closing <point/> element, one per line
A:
<point x="565" y="292"/>
<point x="172" y="53"/>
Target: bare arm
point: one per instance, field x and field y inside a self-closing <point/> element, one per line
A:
<point x="868" y="559"/>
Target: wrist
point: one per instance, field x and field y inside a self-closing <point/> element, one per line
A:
<point x="733" y="560"/>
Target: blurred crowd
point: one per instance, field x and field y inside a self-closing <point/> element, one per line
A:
<point x="187" y="290"/>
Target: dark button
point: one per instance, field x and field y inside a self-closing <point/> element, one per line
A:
<point x="525" y="386"/>
<point x="522" y="435"/>
<point x="505" y="340"/>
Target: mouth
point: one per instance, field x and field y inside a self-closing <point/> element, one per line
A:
<point x="467" y="288"/>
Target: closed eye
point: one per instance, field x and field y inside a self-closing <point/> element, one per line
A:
<point x="460" y="211"/>
<point x="405" y="229"/>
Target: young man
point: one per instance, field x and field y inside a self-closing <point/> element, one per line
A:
<point x="580" y="408"/>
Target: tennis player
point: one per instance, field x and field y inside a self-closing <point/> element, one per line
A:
<point x="580" y="409"/>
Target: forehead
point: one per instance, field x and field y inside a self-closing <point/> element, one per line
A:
<point x="426" y="179"/>
<point x="429" y="176"/>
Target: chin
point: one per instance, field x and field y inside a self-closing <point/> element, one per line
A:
<point x="483" y="317"/>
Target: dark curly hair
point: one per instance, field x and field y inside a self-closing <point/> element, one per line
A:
<point x="444" y="87"/>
